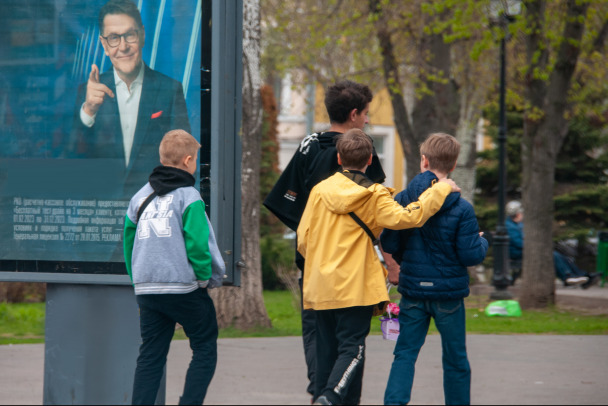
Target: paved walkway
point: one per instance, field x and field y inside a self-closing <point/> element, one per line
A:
<point x="507" y="369"/>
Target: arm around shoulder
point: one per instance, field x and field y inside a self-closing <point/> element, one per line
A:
<point x="392" y="215"/>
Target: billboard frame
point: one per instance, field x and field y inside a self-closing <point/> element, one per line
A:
<point x="221" y="173"/>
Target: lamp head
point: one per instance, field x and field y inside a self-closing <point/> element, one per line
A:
<point x="507" y="8"/>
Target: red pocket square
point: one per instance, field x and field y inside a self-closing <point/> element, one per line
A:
<point x="157" y="114"/>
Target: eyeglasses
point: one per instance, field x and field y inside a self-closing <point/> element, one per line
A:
<point x="130" y="37"/>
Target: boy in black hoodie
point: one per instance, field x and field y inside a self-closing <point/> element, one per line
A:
<point x="347" y="105"/>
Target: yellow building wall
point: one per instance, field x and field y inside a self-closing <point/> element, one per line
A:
<point x="380" y="113"/>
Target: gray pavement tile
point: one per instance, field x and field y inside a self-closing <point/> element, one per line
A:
<point x="507" y="369"/>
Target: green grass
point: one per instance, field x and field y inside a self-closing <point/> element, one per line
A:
<point x="283" y="315"/>
<point x="549" y="321"/>
<point x="21" y="323"/>
<point x="24" y="322"/>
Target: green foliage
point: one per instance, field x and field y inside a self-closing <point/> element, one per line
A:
<point x="487" y="166"/>
<point x="276" y="252"/>
<point x="581" y="212"/>
<point x="581" y="159"/>
<point x="581" y="206"/>
<point x="486" y="212"/>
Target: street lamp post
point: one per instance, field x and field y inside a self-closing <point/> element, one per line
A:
<point x="503" y="12"/>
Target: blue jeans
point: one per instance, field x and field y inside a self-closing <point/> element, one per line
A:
<point x="565" y="268"/>
<point x="414" y="320"/>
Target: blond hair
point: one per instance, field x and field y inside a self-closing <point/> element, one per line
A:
<point x="355" y="148"/>
<point x="177" y="145"/>
<point x="441" y="150"/>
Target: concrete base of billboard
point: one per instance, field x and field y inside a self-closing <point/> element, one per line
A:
<point x="92" y="342"/>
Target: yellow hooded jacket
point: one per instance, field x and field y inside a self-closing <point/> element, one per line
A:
<point x="342" y="268"/>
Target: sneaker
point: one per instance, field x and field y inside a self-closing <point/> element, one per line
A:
<point x="579" y="280"/>
<point x="322" y="400"/>
<point x="593" y="279"/>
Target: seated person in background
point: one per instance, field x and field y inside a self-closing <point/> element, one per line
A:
<point x="565" y="268"/>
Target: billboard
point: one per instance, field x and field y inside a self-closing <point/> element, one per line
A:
<point x="83" y="108"/>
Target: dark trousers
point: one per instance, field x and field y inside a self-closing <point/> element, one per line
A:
<point x="340" y="347"/>
<point x="158" y="315"/>
<point x="309" y="341"/>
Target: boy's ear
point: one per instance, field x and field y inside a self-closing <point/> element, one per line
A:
<point x="339" y="160"/>
<point x="369" y="161"/>
<point x="353" y="115"/>
<point x="187" y="160"/>
<point x="425" y="162"/>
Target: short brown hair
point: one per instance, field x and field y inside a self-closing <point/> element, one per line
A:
<point x="355" y="148"/>
<point x="441" y="150"/>
<point x="175" y="146"/>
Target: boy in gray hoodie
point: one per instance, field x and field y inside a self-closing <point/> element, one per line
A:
<point x="169" y="251"/>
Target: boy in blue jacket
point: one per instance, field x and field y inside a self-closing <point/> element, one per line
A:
<point x="172" y="259"/>
<point x="433" y="277"/>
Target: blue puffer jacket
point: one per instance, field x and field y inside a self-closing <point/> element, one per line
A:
<point x="516" y="238"/>
<point x="435" y="257"/>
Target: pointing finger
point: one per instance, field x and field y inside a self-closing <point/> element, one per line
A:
<point x="94" y="76"/>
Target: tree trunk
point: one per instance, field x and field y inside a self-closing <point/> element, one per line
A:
<point x="464" y="174"/>
<point x="545" y="129"/>
<point x="445" y="109"/>
<point x="243" y="307"/>
<point x="390" y="68"/>
<point x="538" y="288"/>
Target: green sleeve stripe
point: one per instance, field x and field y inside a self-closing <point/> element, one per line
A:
<point x="196" y="237"/>
<point x="128" y="241"/>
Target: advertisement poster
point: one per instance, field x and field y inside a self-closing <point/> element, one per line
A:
<point x="84" y="103"/>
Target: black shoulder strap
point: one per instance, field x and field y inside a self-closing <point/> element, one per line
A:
<point x="145" y="204"/>
<point x="365" y="228"/>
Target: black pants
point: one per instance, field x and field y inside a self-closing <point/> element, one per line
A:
<point x="158" y="315"/>
<point x="340" y="347"/>
<point x="309" y="325"/>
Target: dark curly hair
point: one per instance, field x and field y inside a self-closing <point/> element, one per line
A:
<point x="343" y="97"/>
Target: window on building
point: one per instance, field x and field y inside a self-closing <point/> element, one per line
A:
<point x="379" y="146"/>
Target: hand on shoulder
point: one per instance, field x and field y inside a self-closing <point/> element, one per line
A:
<point x="453" y="184"/>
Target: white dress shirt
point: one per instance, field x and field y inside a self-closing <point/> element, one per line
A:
<point x="128" y="108"/>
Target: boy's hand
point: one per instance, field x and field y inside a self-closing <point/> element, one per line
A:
<point x="453" y="184"/>
<point x="393" y="275"/>
<point x="392" y="267"/>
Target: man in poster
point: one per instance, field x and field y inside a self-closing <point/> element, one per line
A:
<point x="123" y="113"/>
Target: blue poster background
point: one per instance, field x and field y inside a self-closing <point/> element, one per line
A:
<point x="54" y="204"/>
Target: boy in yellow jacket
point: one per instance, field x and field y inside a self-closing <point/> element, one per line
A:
<point x="343" y="277"/>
